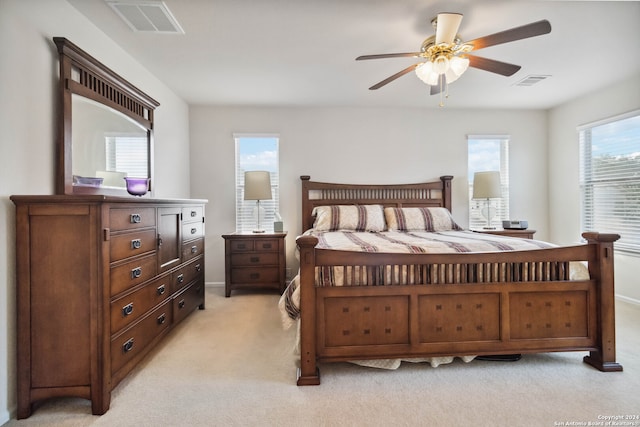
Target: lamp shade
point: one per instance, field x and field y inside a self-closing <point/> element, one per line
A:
<point x="257" y="185"/>
<point x="486" y="185"/>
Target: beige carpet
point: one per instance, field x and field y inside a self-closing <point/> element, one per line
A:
<point x="232" y="365"/>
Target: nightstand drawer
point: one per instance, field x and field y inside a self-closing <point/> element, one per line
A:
<point x="265" y="258"/>
<point x="257" y="275"/>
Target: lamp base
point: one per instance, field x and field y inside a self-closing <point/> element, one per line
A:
<point x="489" y="228"/>
<point x="259" y="231"/>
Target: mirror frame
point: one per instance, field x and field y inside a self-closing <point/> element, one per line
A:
<point x="83" y="75"/>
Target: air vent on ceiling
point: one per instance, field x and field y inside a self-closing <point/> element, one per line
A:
<point x="146" y="16"/>
<point x="531" y="80"/>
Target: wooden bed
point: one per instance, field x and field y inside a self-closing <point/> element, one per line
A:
<point x="448" y="313"/>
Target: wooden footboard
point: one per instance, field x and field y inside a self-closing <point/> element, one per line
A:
<point x="459" y="304"/>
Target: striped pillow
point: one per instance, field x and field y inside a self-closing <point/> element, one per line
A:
<point x="420" y="219"/>
<point x="349" y="217"/>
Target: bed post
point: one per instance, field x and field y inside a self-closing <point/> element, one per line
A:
<point x="601" y="270"/>
<point x="446" y="191"/>
<point x="308" y="373"/>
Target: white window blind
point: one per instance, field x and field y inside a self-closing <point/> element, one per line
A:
<point x="488" y="153"/>
<point x="610" y="178"/>
<point x="256" y="152"/>
<point x="127" y="154"/>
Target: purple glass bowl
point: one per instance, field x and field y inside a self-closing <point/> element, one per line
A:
<point x="137" y="186"/>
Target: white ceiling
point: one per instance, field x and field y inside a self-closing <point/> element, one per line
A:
<point x="302" y="52"/>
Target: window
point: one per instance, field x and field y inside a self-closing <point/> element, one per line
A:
<point x="127" y="154"/>
<point x="488" y="153"/>
<point x="610" y="178"/>
<point x="256" y="152"/>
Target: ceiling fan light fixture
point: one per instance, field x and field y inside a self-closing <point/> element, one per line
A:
<point x="426" y="73"/>
<point x="441" y="64"/>
<point x="458" y="65"/>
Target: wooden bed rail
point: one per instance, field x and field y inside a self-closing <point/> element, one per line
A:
<point x="510" y="271"/>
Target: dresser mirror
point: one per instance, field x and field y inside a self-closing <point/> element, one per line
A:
<point x="105" y="130"/>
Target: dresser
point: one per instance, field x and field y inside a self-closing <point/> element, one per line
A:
<point x="100" y="281"/>
<point x="255" y="260"/>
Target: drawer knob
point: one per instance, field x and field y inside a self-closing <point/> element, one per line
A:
<point x="194" y="249"/>
<point x="198" y="267"/>
<point x="161" y="319"/>
<point x="136" y="272"/>
<point x="254" y="276"/>
<point x="194" y="230"/>
<point x="181" y="303"/>
<point x="266" y="245"/>
<point x="136" y="244"/>
<point x="127" y="346"/>
<point x="242" y="246"/>
<point x="180" y="278"/>
<point x="194" y="213"/>
<point x="160" y="290"/>
<point x="127" y="309"/>
<point x="135" y="218"/>
<point x="254" y="259"/>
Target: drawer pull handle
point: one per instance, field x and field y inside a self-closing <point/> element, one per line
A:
<point x="266" y="245"/>
<point x="198" y="267"/>
<point x="160" y="290"/>
<point x="254" y="259"/>
<point x="135" y="219"/>
<point x="181" y="278"/>
<point x="255" y="275"/>
<point x="181" y="303"/>
<point x="127" y="309"/>
<point x="127" y="346"/>
<point x="136" y="272"/>
<point x="136" y="244"/>
<point x="161" y="319"/>
<point x="194" y="213"/>
<point x="242" y="246"/>
<point x="194" y="230"/>
<point x="194" y="249"/>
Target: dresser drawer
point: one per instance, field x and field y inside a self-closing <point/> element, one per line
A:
<point x="191" y="250"/>
<point x="193" y="214"/>
<point x="132" y="273"/>
<point x="191" y="231"/>
<point x="132" y="342"/>
<point x="186" y="301"/>
<point x="127" y="245"/>
<point x="255" y="275"/>
<point x="131" y="218"/>
<point x="129" y="308"/>
<point x="186" y="274"/>
<point x="263" y="258"/>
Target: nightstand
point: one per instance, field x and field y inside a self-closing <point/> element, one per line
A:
<point x="523" y="234"/>
<point x="254" y="261"/>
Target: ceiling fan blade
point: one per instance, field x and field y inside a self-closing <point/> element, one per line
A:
<point x="518" y="33"/>
<point x="498" y="67"/>
<point x="447" y="27"/>
<point x="395" y="76"/>
<point x="390" y="55"/>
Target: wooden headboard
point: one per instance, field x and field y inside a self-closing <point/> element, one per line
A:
<point x="427" y="194"/>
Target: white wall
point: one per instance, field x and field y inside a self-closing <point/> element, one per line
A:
<point x="361" y="145"/>
<point x="564" y="197"/>
<point x="29" y="72"/>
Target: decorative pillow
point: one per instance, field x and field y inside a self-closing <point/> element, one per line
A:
<point x="349" y="217"/>
<point x="420" y="219"/>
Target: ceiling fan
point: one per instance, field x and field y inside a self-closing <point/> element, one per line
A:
<point x="447" y="56"/>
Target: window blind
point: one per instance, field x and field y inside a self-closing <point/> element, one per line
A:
<point x="256" y="152"/>
<point x="610" y="178"/>
<point x="127" y="154"/>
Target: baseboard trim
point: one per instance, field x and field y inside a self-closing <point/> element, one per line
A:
<point x="629" y="300"/>
<point x="214" y="284"/>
